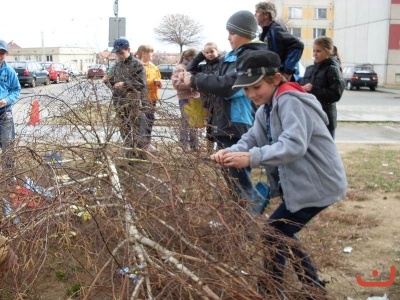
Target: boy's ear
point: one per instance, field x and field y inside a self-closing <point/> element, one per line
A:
<point x="277" y="78"/>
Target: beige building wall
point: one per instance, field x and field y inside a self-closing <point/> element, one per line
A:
<point x="78" y="58"/>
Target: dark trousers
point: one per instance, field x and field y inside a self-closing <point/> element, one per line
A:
<point x="288" y="224"/>
<point x="132" y="126"/>
<point x="240" y="182"/>
<point x="187" y="134"/>
<point x="151" y="111"/>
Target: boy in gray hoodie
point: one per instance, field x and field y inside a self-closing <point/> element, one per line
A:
<point x="289" y="132"/>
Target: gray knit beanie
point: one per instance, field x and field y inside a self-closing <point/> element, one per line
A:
<point x="243" y="23"/>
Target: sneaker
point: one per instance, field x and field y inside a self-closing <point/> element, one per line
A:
<point x="150" y="148"/>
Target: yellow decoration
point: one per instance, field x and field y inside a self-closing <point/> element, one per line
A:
<point x="196" y="112"/>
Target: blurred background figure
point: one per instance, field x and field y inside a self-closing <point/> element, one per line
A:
<point x="10" y="89"/>
<point x="278" y="39"/>
<point x="207" y="62"/>
<point x="127" y="80"/>
<point x="324" y="79"/>
<point x="187" y="135"/>
<point x="154" y="83"/>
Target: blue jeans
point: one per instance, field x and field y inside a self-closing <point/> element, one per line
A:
<point x="7" y="137"/>
<point x="288" y="224"/>
<point x="187" y="135"/>
<point x="240" y="182"/>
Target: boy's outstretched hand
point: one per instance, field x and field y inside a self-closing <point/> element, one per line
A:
<point x="232" y="159"/>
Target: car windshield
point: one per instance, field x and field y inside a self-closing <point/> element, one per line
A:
<point x="46" y="65"/>
<point x="98" y="67"/>
<point x="363" y="70"/>
<point x="15" y="64"/>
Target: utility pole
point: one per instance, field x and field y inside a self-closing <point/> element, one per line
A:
<point x="44" y="54"/>
<point x="116" y="15"/>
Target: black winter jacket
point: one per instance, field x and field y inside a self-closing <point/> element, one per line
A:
<point x="209" y="67"/>
<point x="133" y="74"/>
<point x="328" y="86"/>
<point x="233" y="113"/>
<point x="287" y="46"/>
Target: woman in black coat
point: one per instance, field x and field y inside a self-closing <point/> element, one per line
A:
<point x="324" y="79"/>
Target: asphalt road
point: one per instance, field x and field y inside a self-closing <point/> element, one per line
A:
<point x="364" y="116"/>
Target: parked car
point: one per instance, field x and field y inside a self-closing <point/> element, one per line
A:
<point x="359" y="76"/>
<point x="96" y="71"/>
<point x="58" y="72"/>
<point x="166" y="70"/>
<point x="74" y="72"/>
<point x="30" y="72"/>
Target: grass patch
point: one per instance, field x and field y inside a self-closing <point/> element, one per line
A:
<point x="373" y="169"/>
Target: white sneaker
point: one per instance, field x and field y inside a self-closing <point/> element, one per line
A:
<point x="150" y="148"/>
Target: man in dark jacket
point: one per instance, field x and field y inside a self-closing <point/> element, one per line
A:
<point x="278" y="39"/>
<point x="129" y="94"/>
<point x="289" y="48"/>
<point x="233" y="112"/>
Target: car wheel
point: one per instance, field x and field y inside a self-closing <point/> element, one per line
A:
<point x="68" y="79"/>
<point x="372" y="88"/>
<point x="57" y="79"/>
<point x="357" y="87"/>
<point x="349" y="86"/>
<point x="33" y="83"/>
<point x="47" y="81"/>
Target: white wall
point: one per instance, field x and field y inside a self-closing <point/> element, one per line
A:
<point x="361" y="33"/>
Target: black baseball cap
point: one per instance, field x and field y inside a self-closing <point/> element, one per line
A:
<point x="120" y="44"/>
<point x="252" y="66"/>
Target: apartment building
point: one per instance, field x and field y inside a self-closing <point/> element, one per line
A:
<point x="307" y="20"/>
<point x="364" y="31"/>
<point x="368" y="32"/>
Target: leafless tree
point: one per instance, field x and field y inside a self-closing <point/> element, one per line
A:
<point x="89" y="223"/>
<point x="179" y="29"/>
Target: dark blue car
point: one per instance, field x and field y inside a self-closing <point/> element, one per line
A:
<point x="30" y="72"/>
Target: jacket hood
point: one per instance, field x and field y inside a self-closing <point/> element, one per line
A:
<point x="254" y="45"/>
<point x="330" y="61"/>
<point x="297" y="90"/>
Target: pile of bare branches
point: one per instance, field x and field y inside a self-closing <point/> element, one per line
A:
<point x="95" y="225"/>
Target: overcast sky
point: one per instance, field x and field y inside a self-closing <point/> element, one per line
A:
<point x="84" y="23"/>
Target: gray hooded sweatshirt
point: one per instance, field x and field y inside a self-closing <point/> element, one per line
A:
<point x="310" y="168"/>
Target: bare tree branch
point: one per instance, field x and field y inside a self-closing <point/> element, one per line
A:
<point x="179" y="29"/>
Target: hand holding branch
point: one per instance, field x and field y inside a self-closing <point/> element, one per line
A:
<point x="232" y="159"/>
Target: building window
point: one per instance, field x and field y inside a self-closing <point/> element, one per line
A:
<point x="28" y="57"/>
<point x="38" y="57"/>
<point x="296" y="31"/>
<point x="49" y="57"/>
<point x="319" y="13"/>
<point x="295" y="12"/>
<point x="317" y="32"/>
